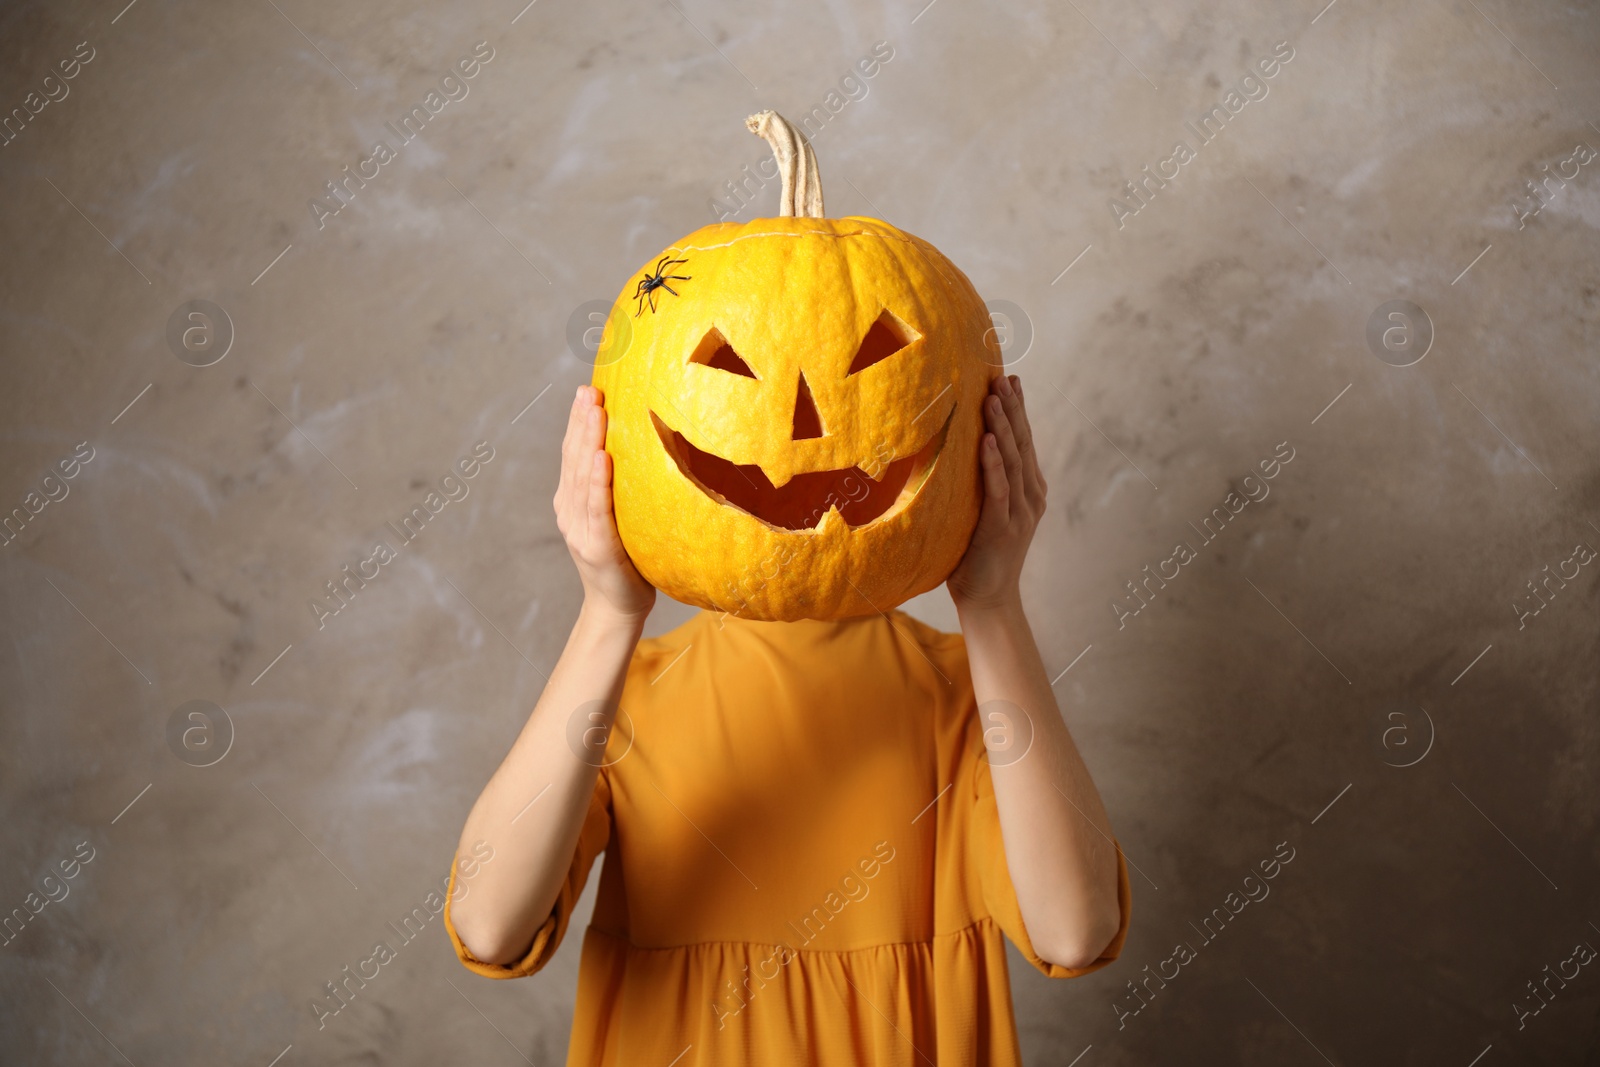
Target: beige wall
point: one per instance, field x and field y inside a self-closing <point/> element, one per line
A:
<point x="1184" y="345"/>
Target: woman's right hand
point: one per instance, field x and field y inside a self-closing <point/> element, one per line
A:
<point x="584" y="516"/>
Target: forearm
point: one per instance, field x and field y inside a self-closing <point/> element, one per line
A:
<point x="533" y="843"/>
<point x="1058" y="841"/>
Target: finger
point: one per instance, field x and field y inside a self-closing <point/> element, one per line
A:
<point x="1033" y="474"/>
<point x="569" y="450"/>
<point x="1010" y="389"/>
<point x="1006" y="438"/>
<point x="995" y="515"/>
<point x="602" y="527"/>
<point x="575" y="419"/>
<point x="595" y="430"/>
<point x="590" y="438"/>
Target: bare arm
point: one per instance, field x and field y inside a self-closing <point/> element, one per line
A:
<point x="533" y="846"/>
<point x="1058" y="841"/>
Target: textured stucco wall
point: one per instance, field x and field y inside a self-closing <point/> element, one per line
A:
<point x="1362" y="610"/>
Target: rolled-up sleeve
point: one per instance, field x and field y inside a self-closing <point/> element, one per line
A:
<point x="592" y="841"/>
<point x="1000" y="896"/>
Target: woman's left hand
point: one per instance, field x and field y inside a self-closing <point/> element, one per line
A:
<point x="989" y="575"/>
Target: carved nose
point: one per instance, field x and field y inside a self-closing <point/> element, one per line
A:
<point x="807" y="423"/>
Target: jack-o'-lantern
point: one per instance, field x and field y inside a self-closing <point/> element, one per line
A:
<point x="794" y="409"/>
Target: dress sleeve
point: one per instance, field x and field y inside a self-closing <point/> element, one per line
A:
<point x="592" y="841"/>
<point x="1000" y="896"/>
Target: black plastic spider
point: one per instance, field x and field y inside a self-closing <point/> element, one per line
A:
<point x="657" y="280"/>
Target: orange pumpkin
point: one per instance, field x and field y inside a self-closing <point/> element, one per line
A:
<point x="794" y="409"/>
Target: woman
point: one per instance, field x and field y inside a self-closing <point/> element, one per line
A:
<point x="811" y="858"/>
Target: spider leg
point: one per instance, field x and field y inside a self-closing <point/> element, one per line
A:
<point x="669" y="288"/>
<point x="679" y="277"/>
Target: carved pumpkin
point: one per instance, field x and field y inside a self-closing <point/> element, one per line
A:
<point x="794" y="409"/>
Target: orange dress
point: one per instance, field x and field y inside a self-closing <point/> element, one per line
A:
<point x="804" y="862"/>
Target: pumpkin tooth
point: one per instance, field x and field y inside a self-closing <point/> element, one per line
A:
<point x="803" y="501"/>
<point x="832" y="521"/>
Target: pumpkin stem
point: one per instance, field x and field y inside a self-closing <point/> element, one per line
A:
<point x="802" y="184"/>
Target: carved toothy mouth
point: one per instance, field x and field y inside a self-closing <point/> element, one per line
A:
<point x="801" y="502"/>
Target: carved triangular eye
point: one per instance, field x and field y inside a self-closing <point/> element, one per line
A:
<point x="715" y="351"/>
<point x="887" y="336"/>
